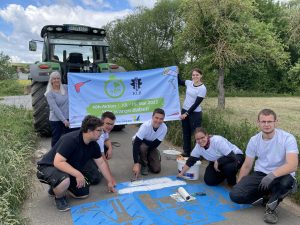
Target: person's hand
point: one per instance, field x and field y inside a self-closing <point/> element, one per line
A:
<point x="67" y="123"/>
<point x="113" y="181"/>
<point x="180" y="175"/>
<point x="80" y="180"/>
<point x="183" y="116"/>
<point x="109" y="154"/>
<point x="266" y="181"/>
<point x="111" y="187"/>
<point x="136" y="169"/>
<point x="216" y="166"/>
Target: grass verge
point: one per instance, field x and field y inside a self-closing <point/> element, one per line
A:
<point x="13" y="87"/>
<point x="17" y="142"/>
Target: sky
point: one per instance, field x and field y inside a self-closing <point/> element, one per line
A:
<point x="22" y="20"/>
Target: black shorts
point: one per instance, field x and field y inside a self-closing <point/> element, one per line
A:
<point x="52" y="176"/>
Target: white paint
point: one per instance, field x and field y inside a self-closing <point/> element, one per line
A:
<point x="151" y="184"/>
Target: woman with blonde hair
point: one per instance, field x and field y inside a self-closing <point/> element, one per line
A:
<point x="57" y="98"/>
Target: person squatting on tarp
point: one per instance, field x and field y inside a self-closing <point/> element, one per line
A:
<point x="275" y="153"/>
<point x="225" y="158"/>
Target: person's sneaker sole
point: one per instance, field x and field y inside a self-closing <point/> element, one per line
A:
<point x="77" y="197"/>
<point x="51" y="193"/>
<point x="258" y="202"/>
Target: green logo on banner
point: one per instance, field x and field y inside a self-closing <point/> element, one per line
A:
<point x="114" y="87"/>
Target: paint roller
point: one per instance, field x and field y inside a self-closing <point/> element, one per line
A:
<point x="184" y="194"/>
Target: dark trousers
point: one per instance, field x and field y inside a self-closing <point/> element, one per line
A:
<point x="57" y="129"/>
<point x="150" y="157"/>
<point x="247" y="190"/>
<point x="53" y="177"/>
<point x="228" y="171"/>
<point x="189" y="124"/>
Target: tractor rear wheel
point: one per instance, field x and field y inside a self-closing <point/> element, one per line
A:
<point x="40" y="109"/>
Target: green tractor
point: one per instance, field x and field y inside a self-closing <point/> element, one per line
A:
<point x="66" y="48"/>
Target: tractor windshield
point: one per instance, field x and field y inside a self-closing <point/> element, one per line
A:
<point x="91" y="47"/>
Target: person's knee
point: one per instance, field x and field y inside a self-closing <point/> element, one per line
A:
<point x="156" y="170"/>
<point x="210" y="182"/>
<point x="237" y="196"/>
<point x="62" y="186"/>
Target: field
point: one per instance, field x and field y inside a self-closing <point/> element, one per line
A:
<point x="241" y="108"/>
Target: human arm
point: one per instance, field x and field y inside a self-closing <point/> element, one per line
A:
<point x="108" y="144"/>
<point x="189" y="163"/>
<point x="290" y="165"/>
<point x="246" y="168"/>
<point x="60" y="163"/>
<point x="55" y="108"/>
<point x="225" y="159"/>
<point x="136" y="156"/>
<point x="180" y="81"/>
<point x="152" y="144"/>
<point x="192" y="108"/>
<point x="105" y="170"/>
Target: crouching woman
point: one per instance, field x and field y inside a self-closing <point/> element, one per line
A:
<point x="225" y="158"/>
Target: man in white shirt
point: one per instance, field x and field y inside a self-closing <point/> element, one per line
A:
<point x="273" y="177"/>
<point x="104" y="142"/>
<point x="145" y="142"/>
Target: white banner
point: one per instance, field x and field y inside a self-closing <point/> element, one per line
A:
<point x="131" y="96"/>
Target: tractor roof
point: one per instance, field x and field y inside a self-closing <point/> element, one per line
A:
<point x="72" y="28"/>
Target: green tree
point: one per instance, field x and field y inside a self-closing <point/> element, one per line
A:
<point x="146" y="38"/>
<point x="6" y="69"/>
<point x="226" y="33"/>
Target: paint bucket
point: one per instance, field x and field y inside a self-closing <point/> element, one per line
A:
<point x="192" y="173"/>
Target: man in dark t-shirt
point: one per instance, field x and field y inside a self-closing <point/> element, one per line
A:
<point x="62" y="166"/>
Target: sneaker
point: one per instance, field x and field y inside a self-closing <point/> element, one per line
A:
<point x="258" y="202"/>
<point x="271" y="216"/>
<point x="62" y="204"/>
<point x="51" y="192"/>
<point x="144" y="170"/>
<point x="272" y="205"/>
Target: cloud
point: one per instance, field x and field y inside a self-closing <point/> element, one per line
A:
<point x="27" y="23"/>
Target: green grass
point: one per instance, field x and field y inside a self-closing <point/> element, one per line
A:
<point x="17" y="143"/>
<point x="12" y="87"/>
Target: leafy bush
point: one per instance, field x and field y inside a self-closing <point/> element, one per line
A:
<point x="6" y="69"/>
<point x="11" y="87"/>
<point x="17" y="139"/>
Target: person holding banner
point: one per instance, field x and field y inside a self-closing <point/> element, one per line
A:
<point x="58" y="101"/>
<point x="62" y="166"/>
<point x="225" y="158"/>
<point x="191" y="113"/>
<point x="145" y="142"/>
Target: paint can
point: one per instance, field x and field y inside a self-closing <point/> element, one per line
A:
<point x="192" y="173"/>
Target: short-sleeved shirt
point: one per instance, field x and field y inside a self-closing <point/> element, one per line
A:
<point x="192" y="93"/>
<point x="72" y="147"/>
<point x="271" y="154"/>
<point x="104" y="136"/>
<point x="219" y="146"/>
<point x="146" y="132"/>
